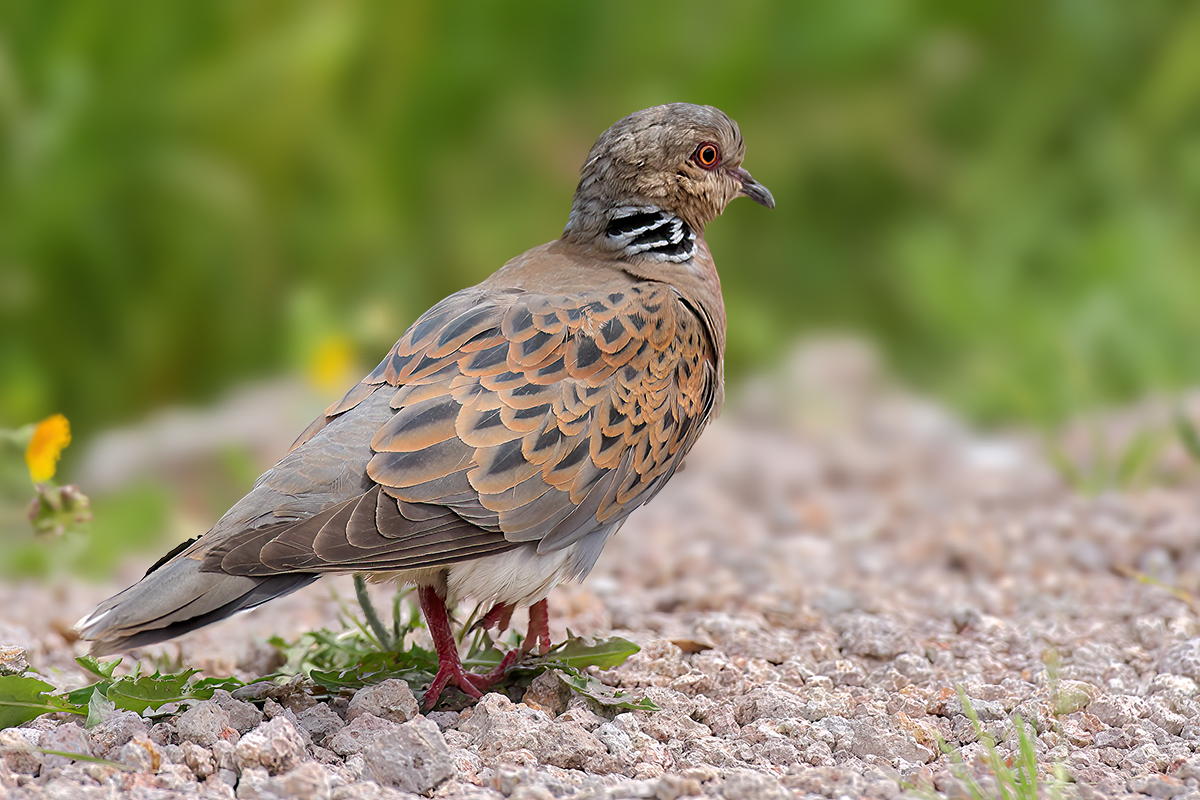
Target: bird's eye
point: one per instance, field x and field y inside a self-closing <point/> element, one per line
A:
<point x="707" y="155"/>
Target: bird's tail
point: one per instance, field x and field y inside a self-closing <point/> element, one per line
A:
<point x="174" y="598"/>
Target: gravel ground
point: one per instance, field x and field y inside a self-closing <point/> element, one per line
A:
<point x="837" y="559"/>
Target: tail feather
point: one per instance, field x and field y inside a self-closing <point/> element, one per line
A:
<point x="177" y="598"/>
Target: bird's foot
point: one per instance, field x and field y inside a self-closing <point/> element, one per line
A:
<point x="488" y="679"/>
<point x="537" y="638"/>
<point x="474" y="684"/>
<point x="450" y="669"/>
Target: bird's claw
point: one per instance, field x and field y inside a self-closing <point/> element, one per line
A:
<point x="472" y="684"/>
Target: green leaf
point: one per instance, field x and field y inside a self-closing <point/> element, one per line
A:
<point x="83" y="695"/>
<point x="155" y="691"/>
<point x="416" y="666"/>
<point x="94" y="666"/>
<point x="209" y="684"/>
<point x="87" y="758"/>
<point x="23" y="699"/>
<point x="581" y="652"/>
<point x="602" y="693"/>
<point x="99" y="709"/>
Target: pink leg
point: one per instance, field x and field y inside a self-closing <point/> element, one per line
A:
<point x="498" y="618"/>
<point x="450" y="669"/>
<point x="537" y="638"/>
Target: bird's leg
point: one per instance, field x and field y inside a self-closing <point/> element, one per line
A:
<point x="537" y="636"/>
<point x="498" y="618"/>
<point x="537" y="640"/>
<point x="450" y="668"/>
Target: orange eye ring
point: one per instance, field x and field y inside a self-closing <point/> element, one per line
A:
<point x="707" y="155"/>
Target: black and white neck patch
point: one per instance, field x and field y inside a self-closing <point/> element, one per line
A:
<point x="646" y="230"/>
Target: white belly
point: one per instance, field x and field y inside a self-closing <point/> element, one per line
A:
<point x="519" y="577"/>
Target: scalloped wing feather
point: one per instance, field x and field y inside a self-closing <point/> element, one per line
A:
<point x="518" y="417"/>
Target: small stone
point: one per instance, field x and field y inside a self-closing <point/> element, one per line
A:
<point x="68" y="738"/>
<point x="1072" y="696"/>
<point x="116" y="731"/>
<point x="1182" y="659"/>
<point x="173" y="754"/>
<point x="413" y="758"/>
<point x="617" y="741"/>
<point x="309" y="781"/>
<point x="251" y="784"/>
<point x="163" y="733"/>
<point x="1118" y="710"/>
<point x="202" y="723"/>
<point x="216" y="789"/>
<point x="140" y="753"/>
<point x="568" y="745"/>
<point x="199" y="759"/>
<point x="772" y="702"/>
<point x="548" y="693"/>
<point x="275" y="745"/>
<point x="369" y="790"/>
<point x="1148" y="757"/>
<point x="444" y="719"/>
<point x="16" y="745"/>
<point x="391" y="700"/>
<point x="875" y="737"/>
<point x="1189" y="769"/>
<point x="242" y="715"/>
<point x="176" y="777"/>
<point x="745" y="784"/>
<point x="320" y="721"/>
<point x="1162" y="786"/>
<point x="870" y="635"/>
<point x="356" y="766"/>
<point x="223" y="754"/>
<point x="365" y="729"/>
<point x="497" y="726"/>
<point x="12" y="660"/>
<point x="720" y="718"/>
<point x="820" y="702"/>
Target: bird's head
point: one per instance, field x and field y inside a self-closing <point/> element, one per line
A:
<point x="681" y="158"/>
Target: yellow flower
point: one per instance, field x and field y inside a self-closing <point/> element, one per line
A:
<point x="332" y="365"/>
<point x="50" y="437"/>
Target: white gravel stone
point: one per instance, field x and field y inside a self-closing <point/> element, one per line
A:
<point x="202" y="724"/>
<point x="413" y="758"/>
<point x="391" y="700"/>
<point x="365" y="729"/>
<point x="275" y="746"/>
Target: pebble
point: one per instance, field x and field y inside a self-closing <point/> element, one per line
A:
<point x="391" y="700"/>
<point x="413" y="758"/>
<point x="275" y="746"/>
<point x="202" y="724"/>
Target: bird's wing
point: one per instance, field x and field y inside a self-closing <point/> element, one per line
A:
<point x="510" y="417"/>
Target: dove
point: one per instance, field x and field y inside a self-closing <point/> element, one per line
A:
<point x="510" y="431"/>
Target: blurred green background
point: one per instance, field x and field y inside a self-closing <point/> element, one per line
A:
<point x="1004" y="196"/>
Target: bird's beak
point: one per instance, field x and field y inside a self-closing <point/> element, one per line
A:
<point x="752" y="188"/>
